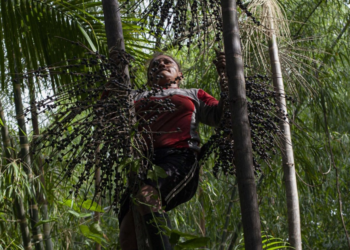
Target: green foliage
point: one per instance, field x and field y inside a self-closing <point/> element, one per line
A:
<point x="94" y="232"/>
<point x="269" y="243"/>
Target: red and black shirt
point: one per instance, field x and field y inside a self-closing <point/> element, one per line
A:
<point x="178" y="128"/>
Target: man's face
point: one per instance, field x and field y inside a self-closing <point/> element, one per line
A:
<point x="164" y="70"/>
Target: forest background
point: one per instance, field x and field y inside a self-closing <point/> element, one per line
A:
<point x="313" y="43"/>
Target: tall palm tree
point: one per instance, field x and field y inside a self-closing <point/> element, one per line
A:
<point x="26" y="160"/>
<point x="115" y="40"/>
<point x="270" y="12"/>
<point x="240" y="127"/>
<point x="38" y="170"/>
<point x="286" y="143"/>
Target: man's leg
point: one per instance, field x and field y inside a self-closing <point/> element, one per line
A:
<point x="155" y="220"/>
<point x="127" y="235"/>
<point x="149" y="195"/>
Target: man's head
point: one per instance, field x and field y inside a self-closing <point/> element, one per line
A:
<point x="164" y="70"/>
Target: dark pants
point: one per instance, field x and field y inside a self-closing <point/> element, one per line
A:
<point x="179" y="186"/>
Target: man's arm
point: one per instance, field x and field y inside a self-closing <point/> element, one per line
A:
<point x="211" y="110"/>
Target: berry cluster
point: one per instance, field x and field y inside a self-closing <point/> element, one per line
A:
<point x="264" y="116"/>
<point x="244" y="8"/>
<point x="185" y="19"/>
<point x="96" y="126"/>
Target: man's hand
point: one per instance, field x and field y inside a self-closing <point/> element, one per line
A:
<point x="220" y="62"/>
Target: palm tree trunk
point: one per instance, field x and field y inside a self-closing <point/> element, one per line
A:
<point x="286" y="145"/>
<point x="237" y="232"/>
<point x="26" y="161"/>
<point x="40" y="171"/>
<point x="115" y="40"/>
<point x="240" y="127"/>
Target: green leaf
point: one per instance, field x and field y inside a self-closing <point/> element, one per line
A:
<point x="87" y="37"/>
<point x="156" y="173"/>
<point x="79" y="215"/>
<point x="280" y="247"/>
<point x="88" y="234"/>
<point x="2" y="216"/>
<point x="70" y="203"/>
<point x="45" y="221"/>
<point x="92" y="206"/>
<point x="84" y="230"/>
<point x="160" y="172"/>
<point x="96" y="229"/>
<point x="182" y="234"/>
<point x="195" y="243"/>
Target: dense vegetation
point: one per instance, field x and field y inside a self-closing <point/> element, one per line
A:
<point x="313" y="38"/>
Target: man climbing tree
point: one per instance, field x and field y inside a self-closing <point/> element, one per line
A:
<point x="173" y="144"/>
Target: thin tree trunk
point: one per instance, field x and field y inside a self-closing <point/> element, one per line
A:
<point x="97" y="193"/>
<point x="307" y="19"/>
<point x="115" y="40"/>
<point x="46" y="226"/>
<point x="97" y="214"/>
<point x="335" y="42"/>
<point x="240" y="127"/>
<point x="22" y="219"/>
<point x="5" y="136"/>
<point x="286" y="145"/>
<point x="238" y="230"/>
<point x="40" y="171"/>
<point x="26" y="161"/>
<point x="201" y="200"/>
<point x="235" y="236"/>
<point x="224" y="231"/>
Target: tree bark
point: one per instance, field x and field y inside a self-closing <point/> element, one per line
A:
<point x="286" y="144"/>
<point x="5" y="135"/>
<point x="39" y="171"/>
<point x="240" y="127"/>
<point x="115" y="39"/>
<point x="26" y="163"/>
<point x="22" y="219"/>
<point x="113" y="24"/>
